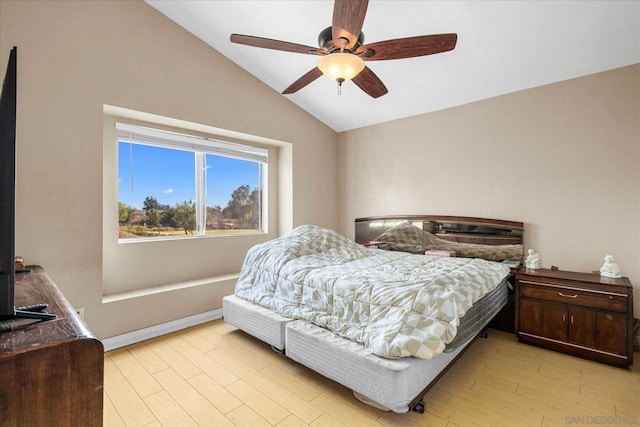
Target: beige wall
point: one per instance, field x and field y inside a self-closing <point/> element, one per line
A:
<point x="563" y="158"/>
<point x="73" y="58"/>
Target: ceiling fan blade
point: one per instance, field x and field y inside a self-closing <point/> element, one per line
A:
<point x="348" y="17"/>
<point x="370" y="83"/>
<point x="275" y="44"/>
<point x="303" y="81"/>
<point x="409" y="47"/>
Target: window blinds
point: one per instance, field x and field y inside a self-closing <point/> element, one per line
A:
<point x="147" y="136"/>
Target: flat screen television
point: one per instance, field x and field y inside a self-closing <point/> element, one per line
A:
<point x="8" y="310"/>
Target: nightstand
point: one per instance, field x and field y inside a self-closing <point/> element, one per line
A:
<point x="582" y="314"/>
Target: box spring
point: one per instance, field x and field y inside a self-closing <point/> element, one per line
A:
<point x="393" y="383"/>
<point x="255" y="320"/>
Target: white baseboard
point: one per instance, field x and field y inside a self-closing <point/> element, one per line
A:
<point x="133" y="337"/>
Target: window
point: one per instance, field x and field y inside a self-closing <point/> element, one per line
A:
<point x="172" y="184"/>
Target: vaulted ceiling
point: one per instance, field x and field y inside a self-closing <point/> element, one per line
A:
<point x="503" y="47"/>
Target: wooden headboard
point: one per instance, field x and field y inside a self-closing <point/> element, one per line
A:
<point x="460" y="229"/>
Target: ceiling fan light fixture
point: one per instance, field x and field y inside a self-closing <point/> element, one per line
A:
<point x="341" y="66"/>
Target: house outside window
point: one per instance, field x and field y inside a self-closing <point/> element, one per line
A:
<point x="177" y="185"/>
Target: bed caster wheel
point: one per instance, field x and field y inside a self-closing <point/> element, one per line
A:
<point x="277" y="350"/>
<point x="418" y="407"/>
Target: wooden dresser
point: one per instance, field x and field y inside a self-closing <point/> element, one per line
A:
<point x="581" y="314"/>
<point x="51" y="372"/>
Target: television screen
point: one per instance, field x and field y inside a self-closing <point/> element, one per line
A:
<point x="8" y="200"/>
<point x="7" y="187"/>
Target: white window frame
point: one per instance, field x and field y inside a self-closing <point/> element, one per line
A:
<point x="200" y="146"/>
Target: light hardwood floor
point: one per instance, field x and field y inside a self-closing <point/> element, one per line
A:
<point x="215" y="375"/>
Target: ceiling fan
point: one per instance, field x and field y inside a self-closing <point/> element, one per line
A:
<point x="343" y="53"/>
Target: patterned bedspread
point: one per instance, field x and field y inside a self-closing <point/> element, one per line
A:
<point x="396" y="304"/>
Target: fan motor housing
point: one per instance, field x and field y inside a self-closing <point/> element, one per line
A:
<point x="325" y="40"/>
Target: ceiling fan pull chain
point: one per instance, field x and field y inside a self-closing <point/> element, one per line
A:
<point x="340" y="86"/>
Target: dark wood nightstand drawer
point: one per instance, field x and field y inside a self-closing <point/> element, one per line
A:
<point x="609" y="301"/>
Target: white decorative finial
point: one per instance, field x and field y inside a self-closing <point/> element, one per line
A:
<point x="610" y="268"/>
<point x="533" y="260"/>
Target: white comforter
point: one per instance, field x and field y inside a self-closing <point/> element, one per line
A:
<point x="396" y="304"/>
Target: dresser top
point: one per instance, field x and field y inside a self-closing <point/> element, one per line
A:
<point x="591" y="278"/>
<point x="21" y="335"/>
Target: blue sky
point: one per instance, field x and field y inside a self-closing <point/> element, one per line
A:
<point x="169" y="176"/>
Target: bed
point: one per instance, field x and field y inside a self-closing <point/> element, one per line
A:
<point x="388" y="322"/>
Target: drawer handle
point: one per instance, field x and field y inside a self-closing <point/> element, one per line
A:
<point x="567" y="296"/>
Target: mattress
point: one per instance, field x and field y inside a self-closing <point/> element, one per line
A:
<point x="255" y="320"/>
<point x="398" y="304"/>
<point x="479" y="315"/>
<point x="393" y="383"/>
